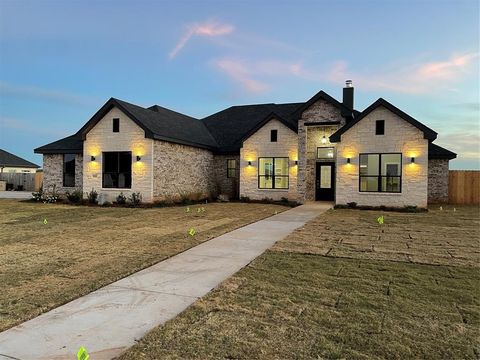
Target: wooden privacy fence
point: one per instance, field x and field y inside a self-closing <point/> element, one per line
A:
<point x="19" y="181"/>
<point x="464" y="187"/>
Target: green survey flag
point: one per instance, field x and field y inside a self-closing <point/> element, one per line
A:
<point x="82" y="354"/>
<point x="380" y="220"/>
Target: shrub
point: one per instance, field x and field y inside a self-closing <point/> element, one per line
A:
<point x="352" y="205"/>
<point x="135" y="199"/>
<point x="92" y="197"/>
<point x="106" y="204"/>
<point x="37" y="196"/>
<point x="75" y="197"/>
<point x="121" y="199"/>
<point x="244" y="199"/>
<point x="184" y="198"/>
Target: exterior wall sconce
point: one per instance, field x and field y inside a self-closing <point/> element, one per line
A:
<point x="412" y="160"/>
<point x="348" y="160"/>
<point x="324" y="140"/>
<point x="249" y="163"/>
<point x="139" y="158"/>
<point x="92" y="158"/>
<point x="296" y="162"/>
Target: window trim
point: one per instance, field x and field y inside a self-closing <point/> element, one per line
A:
<point x="234" y="169"/>
<point x="63" y="170"/>
<point x="380" y="176"/>
<point x="376" y="127"/>
<point x="116" y="121"/>
<point x="326" y="158"/>
<point x="274" y="131"/>
<point x="118" y="166"/>
<point x="273" y="172"/>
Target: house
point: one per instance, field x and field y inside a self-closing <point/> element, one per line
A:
<point x="10" y="163"/>
<point x="321" y="149"/>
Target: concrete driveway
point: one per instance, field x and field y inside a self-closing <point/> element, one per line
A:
<point x="109" y="320"/>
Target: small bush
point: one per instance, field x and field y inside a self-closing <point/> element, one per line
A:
<point x="107" y="204"/>
<point x="92" y="197"/>
<point x="135" y="199"/>
<point x="244" y="199"/>
<point x="184" y="198"/>
<point x="352" y="205"/>
<point x="121" y="199"/>
<point x="37" y="196"/>
<point x="75" y="197"/>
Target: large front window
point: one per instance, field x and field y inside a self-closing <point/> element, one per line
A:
<point x="68" y="170"/>
<point x="381" y="172"/>
<point x="273" y="173"/>
<point x="117" y="170"/>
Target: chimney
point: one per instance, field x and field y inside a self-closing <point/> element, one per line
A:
<point x="348" y="94"/>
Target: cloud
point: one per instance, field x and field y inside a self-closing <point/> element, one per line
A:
<point x="25" y="126"/>
<point x="466" y="144"/>
<point x="418" y="78"/>
<point x="7" y="89"/>
<point x="254" y="76"/>
<point x="208" y="29"/>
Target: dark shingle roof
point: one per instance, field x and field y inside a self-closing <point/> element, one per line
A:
<point x="72" y="144"/>
<point x="230" y="126"/>
<point x="438" y="152"/>
<point x="9" y="160"/>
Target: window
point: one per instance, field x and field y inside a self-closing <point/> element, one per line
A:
<point x="380" y="127"/>
<point x="117" y="170"/>
<point x="325" y="152"/>
<point x="68" y="170"/>
<point x="381" y="172"/>
<point x="231" y="168"/>
<point x="273" y="135"/>
<point x="116" y="125"/>
<point x="273" y="173"/>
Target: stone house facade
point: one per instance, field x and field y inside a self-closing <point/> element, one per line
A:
<point x="321" y="149"/>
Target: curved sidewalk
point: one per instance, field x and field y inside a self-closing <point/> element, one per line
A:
<point x="109" y="320"/>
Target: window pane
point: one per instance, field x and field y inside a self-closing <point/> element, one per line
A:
<point x="265" y="166"/>
<point x="391" y="164"/>
<point x="281" y="182"/>
<point x="368" y="183"/>
<point x="369" y="164"/>
<point x="326" y="177"/>
<point x="281" y="166"/>
<point x="125" y="163"/>
<point x="110" y="162"/>
<point x="231" y="164"/>
<point x="390" y="184"/>
<point x="325" y="153"/>
<point x="69" y="170"/>
<point x="265" y="182"/>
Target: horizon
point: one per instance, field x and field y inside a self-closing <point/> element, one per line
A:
<point x="60" y="62"/>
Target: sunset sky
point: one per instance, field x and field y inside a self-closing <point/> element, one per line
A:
<point x="61" y="60"/>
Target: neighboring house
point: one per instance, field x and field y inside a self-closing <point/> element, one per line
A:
<point x="10" y="163"/>
<point x="321" y="149"/>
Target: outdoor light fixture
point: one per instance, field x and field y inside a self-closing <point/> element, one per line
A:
<point x="324" y="140"/>
<point x="92" y="158"/>
<point x="412" y="160"/>
<point x="139" y="158"/>
<point x="249" y="163"/>
<point x="296" y="162"/>
<point x="348" y="160"/>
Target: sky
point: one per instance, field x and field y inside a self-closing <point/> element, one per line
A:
<point x="60" y="61"/>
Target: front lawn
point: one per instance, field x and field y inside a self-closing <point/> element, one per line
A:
<point x="51" y="254"/>
<point x="345" y="287"/>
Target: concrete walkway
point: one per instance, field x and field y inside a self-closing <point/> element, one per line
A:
<point x="109" y="320"/>
<point x="16" y="194"/>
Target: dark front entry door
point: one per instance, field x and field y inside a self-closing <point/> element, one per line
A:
<point x="325" y="181"/>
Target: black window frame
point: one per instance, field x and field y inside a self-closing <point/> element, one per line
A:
<point x="325" y="158"/>
<point x="116" y="125"/>
<point x="118" y="168"/>
<point x="274" y="135"/>
<point x="380" y="176"/>
<point x="379" y="127"/>
<point x="273" y="173"/>
<point x="65" y="170"/>
<point x="231" y="169"/>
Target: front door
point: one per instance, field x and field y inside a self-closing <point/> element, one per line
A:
<point x="325" y="181"/>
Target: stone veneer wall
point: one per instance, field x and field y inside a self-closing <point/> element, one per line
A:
<point x="308" y="140"/>
<point x="224" y="184"/>
<point x="53" y="173"/>
<point x="259" y="145"/>
<point x="438" y="180"/>
<point x="180" y="169"/>
<point x="131" y="137"/>
<point x="399" y="136"/>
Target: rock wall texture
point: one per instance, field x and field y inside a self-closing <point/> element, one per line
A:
<point x="259" y="145"/>
<point x="309" y="138"/>
<point x="131" y="137"/>
<point x="399" y="136"/>
<point x="224" y="184"/>
<point x="437" y="181"/>
<point x="182" y="170"/>
<point x="53" y="173"/>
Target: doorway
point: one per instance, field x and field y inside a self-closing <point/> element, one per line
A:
<point x="325" y="181"/>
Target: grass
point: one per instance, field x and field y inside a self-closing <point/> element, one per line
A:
<point x="81" y="249"/>
<point x="343" y="287"/>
